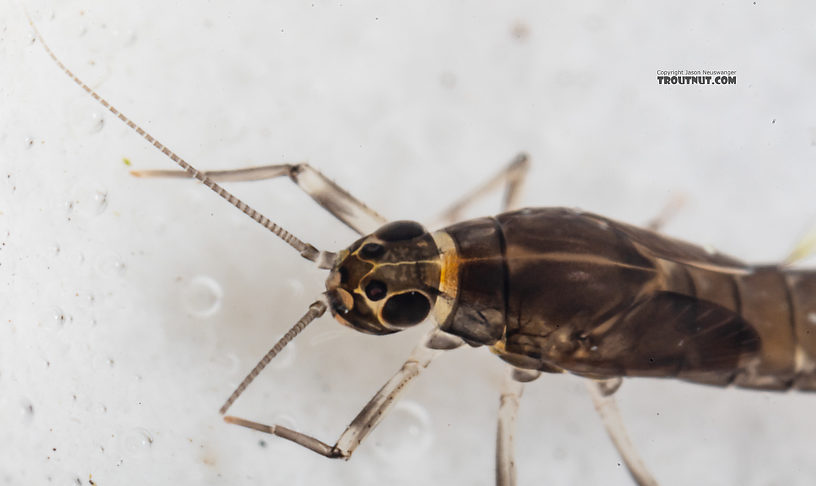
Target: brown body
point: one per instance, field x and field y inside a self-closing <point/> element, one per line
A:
<point x="559" y="290"/>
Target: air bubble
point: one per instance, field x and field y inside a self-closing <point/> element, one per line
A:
<point x="103" y="362"/>
<point x="285" y="358"/>
<point x="137" y="441"/>
<point x="85" y="299"/>
<point x="87" y="200"/>
<point x="327" y="337"/>
<point x="110" y="265"/>
<point x="53" y="317"/>
<point x="227" y="363"/>
<point x="710" y="249"/>
<point x="85" y="118"/>
<point x="405" y="435"/>
<point x="296" y="287"/>
<point x="26" y="411"/>
<point x="448" y="79"/>
<point x="811" y="317"/>
<point x="202" y="296"/>
<point x="285" y="420"/>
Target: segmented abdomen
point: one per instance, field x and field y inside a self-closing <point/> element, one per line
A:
<point x="778" y="303"/>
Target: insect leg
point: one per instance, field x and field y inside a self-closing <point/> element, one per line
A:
<point x="376" y="408"/>
<point x="602" y="391"/>
<point x="512" y="388"/>
<point x="606" y="406"/>
<point x="512" y="176"/>
<point x="669" y="210"/>
<point x="329" y="195"/>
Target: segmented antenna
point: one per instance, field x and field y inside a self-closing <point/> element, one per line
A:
<point x="306" y="250"/>
<point x="315" y="310"/>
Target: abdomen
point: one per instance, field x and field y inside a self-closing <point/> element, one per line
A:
<point x="555" y="289"/>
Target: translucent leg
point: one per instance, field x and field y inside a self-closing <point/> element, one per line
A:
<point x="505" y="431"/>
<point x="511" y="176"/>
<point x="329" y="195"/>
<point x="375" y="410"/>
<point x="606" y="406"/>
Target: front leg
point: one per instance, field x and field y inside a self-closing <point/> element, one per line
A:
<point x="374" y="411"/>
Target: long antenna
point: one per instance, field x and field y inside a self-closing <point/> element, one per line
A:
<point x="315" y="310"/>
<point x="306" y="250"/>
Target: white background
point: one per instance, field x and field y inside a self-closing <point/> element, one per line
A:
<point x="112" y="367"/>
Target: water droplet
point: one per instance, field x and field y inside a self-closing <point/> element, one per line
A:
<point x="811" y="317"/>
<point x="710" y="249"/>
<point x="405" y="435"/>
<point x="202" y="296"/>
<point x="137" y="441"/>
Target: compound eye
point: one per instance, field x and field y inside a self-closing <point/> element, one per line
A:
<point x="375" y="290"/>
<point x="406" y="309"/>
<point x="371" y="251"/>
<point x="400" y="231"/>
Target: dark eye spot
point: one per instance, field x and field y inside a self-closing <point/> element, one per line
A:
<point x="400" y="231"/>
<point x="375" y="290"/>
<point x="372" y="251"/>
<point x="406" y="309"/>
